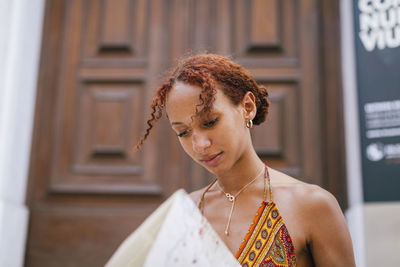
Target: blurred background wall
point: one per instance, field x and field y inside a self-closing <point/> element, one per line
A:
<point x="77" y="78"/>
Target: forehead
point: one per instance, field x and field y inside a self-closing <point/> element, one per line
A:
<point x="182" y="100"/>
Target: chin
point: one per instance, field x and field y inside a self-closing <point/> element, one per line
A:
<point x="217" y="170"/>
<point x="220" y="168"/>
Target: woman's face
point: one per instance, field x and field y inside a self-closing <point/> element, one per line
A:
<point x="216" y="142"/>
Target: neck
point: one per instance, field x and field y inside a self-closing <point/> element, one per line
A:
<point x="242" y="173"/>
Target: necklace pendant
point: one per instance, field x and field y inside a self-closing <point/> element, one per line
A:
<point x="230" y="197"/>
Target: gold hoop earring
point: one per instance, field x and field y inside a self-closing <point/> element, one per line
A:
<point x="249" y="124"/>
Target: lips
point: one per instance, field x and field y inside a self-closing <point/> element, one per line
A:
<point x="211" y="160"/>
<point x="210" y="157"/>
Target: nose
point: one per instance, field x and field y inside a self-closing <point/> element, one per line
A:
<point x="200" y="142"/>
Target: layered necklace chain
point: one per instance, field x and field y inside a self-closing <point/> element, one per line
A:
<point x="232" y="198"/>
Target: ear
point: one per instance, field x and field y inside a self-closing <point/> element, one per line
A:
<point x="249" y="106"/>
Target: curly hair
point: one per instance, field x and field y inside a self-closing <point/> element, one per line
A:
<point x="206" y="71"/>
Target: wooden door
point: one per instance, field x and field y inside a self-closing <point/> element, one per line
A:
<point x="101" y="61"/>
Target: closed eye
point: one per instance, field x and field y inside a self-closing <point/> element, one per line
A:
<point x="207" y="124"/>
<point x="210" y="123"/>
<point x="182" y="134"/>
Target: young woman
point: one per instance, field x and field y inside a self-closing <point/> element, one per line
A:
<point x="266" y="218"/>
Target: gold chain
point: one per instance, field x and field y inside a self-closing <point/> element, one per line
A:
<point x="232" y="198"/>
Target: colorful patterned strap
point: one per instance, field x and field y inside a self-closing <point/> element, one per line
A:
<point x="267" y="179"/>
<point x="201" y="202"/>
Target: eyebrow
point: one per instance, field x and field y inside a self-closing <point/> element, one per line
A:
<point x="180" y="123"/>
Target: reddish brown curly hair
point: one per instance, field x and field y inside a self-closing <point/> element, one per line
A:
<point x="205" y="71"/>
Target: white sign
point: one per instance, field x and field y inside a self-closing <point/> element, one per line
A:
<point x="382" y="119"/>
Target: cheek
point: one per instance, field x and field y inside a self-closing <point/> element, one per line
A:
<point x="234" y="136"/>
<point x="234" y="128"/>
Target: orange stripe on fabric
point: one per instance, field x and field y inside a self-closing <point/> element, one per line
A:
<point x="251" y="228"/>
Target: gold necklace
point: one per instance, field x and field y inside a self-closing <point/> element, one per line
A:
<point x="232" y="198"/>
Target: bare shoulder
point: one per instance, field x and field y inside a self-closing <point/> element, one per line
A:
<point x="311" y="193"/>
<point x="308" y="198"/>
<point x="317" y="200"/>
<point x="320" y="199"/>
<point x="318" y="217"/>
